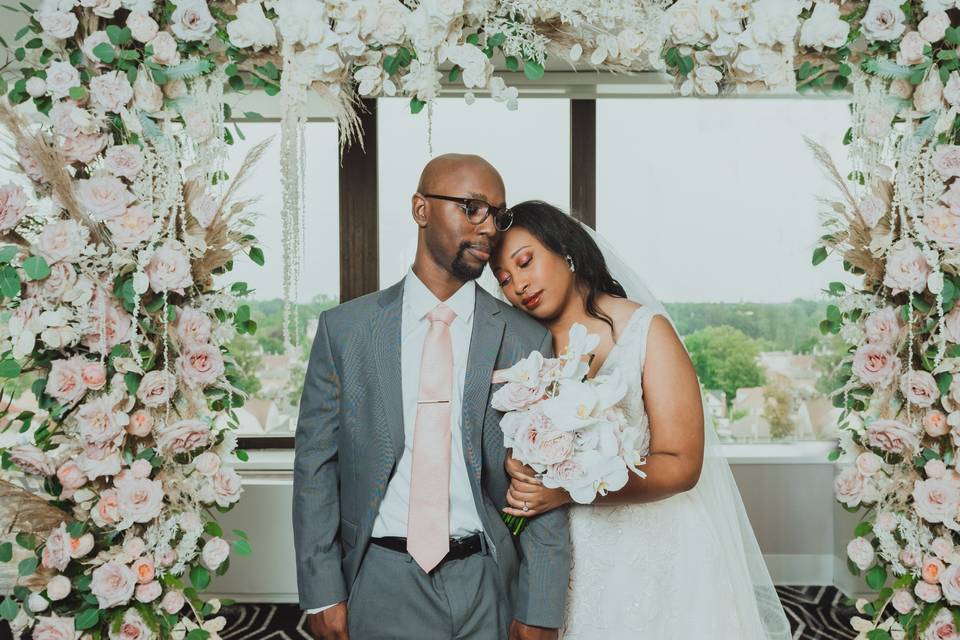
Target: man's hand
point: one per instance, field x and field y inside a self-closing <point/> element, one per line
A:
<point x="520" y="631"/>
<point x="329" y="624"/>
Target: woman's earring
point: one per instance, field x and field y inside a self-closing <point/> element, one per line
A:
<point x="572" y="266"/>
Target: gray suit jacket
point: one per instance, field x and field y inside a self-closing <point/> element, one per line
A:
<point x="350" y="437"/>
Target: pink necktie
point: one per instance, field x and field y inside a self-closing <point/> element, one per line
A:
<point x="428" y="527"/>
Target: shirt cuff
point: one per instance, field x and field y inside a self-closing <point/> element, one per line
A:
<point x="319" y="609"/>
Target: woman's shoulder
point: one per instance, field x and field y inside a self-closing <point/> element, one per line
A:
<point x="621" y="311"/>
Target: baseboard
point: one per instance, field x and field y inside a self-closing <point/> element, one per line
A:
<point x="271" y="598"/>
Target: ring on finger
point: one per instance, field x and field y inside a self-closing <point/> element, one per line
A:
<point x="526" y="507"/>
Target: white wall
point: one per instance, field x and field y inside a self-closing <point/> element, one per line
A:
<point x="801" y="530"/>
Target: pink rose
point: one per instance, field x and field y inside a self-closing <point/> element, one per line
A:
<point x="13" y="205"/>
<point x="860" y="551"/>
<point x="947" y="160"/>
<point x="183" y="436"/>
<point x="942" y="627"/>
<point x="156" y="388"/>
<point x="207" y="463"/>
<point x="903" y="601"/>
<point x="226" y="487"/>
<point x="70" y="476"/>
<point x="148" y="592"/>
<point x="514" y="396"/>
<point x="893" y="436"/>
<point x="140" y="499"/>
<point x="108" y="331"/>
<point x="931" y="568"/>
<point x="868" y="463"/>
<point x="144" y="569"/>
<point x="883" y="327"/>
<point x="58" y="24"/>
<point x="943" y="547"/>
<point x="951" y="325"/>
<point x="62" y="240"/>
<point x="141" y="468"/>
<point x="101" y="424"/>
<point x="112" y="584"/>
<point x="81" y="546"/>
<point x="950" y="583"/>
<point x="111" y="91"/>
<point x="191" y="21"/>
<point x="94" y="375"/>
<point x="927" y="592"/>
<point x="132" y="626"/>
<point x="875" y="364"/>
<point x="58" y="588"/>
<point x="32" y="460"/>
<point x="124" y="160"/>
<point x="133" y="226"/>
<point x="936" y="499"/>
<point x="61" y="77"/>
<point x="134" y="545"/>
<point x="60" y="282"/>
<point x="141" y="423"/>
<point x="544" y="446"/>
<point x="104" y="197"/>
<point x="911" y="49"/>
<point x="172" y="602"/>
<point x="215" y="551"/>
<point x="56" y="550"/>
<point x="934" y="26"/>
<point x="165" y="49"/>
<point x="54" y="628"/>
<point x="142" y="27"/>
<point x="942" y="226"/>
<point x="200" y="365"/>
<point x="935" y="468"/>
<point x="29" y="164"/>
<point x="84" y="147"/>
<point x="907" y="269"/>
<point x="192" y="327"/>
<point x="65" y="381"/>
<point x="167" y="558"/>
<point x="169" y="269"/>
<point x="107" y="510"/>
<point x="920" y="388"/>
<point x="908" y="558"/>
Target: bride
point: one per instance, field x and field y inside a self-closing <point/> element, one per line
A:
<point x="671" y="555"/>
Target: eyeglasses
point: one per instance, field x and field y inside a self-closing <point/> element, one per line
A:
<point x="477" y="210"/>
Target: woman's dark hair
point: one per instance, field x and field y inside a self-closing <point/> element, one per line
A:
<point x="564" y="236"/>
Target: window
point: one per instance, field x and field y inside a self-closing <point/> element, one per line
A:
<point x="273" y="377"/>
<point x="714" y="203"/>
<point x="530" y="147"/>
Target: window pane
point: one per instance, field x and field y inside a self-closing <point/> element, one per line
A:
<point x="530" y="148"/>
<point x="714" y="203"/>
<point x="274" y="377"/>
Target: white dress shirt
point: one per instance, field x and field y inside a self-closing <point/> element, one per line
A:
<point x="418" y="301"/>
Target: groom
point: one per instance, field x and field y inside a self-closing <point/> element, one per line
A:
<point x="398" y="476"/>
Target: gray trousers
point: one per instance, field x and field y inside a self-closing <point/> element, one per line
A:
<point x="392" y="598"/>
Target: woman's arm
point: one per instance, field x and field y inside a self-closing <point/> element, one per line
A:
<point x="672" y="399"/>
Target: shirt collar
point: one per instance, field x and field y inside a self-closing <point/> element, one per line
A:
<point x="421" y="301"/>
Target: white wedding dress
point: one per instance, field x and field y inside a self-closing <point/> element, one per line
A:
<point x="682" y="568"/>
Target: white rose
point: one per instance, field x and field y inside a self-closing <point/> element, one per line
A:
<point x="142" y="27"/>
<point x="169" y="269"/>
<point x="90" y="43"/>
<point x="147" y="95"/>
<point x="14" y="204"/>
<point x="947" y="160"/>
<point x="61" y="77"/>
<point x="951" y="93"/>
<point x="36" y="87"/>
<point x="54" y="628"/>
<point x="907" y="269"/>
<point x="824" y="28"/>
<point x="172" y="602"/>
<point x="140" y="499"/>
<point x="936" y="499"/>
<point x="860" y="551"/>
<point x="215" y="551"/>
<point x="58" y="24"/>
<point x="934" y="26"/>
<point x="950" y="583"/>
<point x="911" y="49"/>
<point x="869" y="463"/>
<point x="111" y="91"/>
<point x="684" y="23"/>
<point x="920" y="388"/>
<point x="226" y="487"/>
<point x="903" y="601"/>
<point x="124" y="160"/>
<point x="182" y="436"/>
<point x="929" y="95"/>
<point x="37" y="602"/>
<point x="83" y="148"/>
<point x="252" y="28"/>
<point x="191" y="21"/>
<point x="102" y="8"/>
<point x="884" y="20"/>
<point x="165" y="49"/>
<point x="58" y="588"/>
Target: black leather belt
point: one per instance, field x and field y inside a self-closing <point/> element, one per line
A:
<point x="459" y="547"/>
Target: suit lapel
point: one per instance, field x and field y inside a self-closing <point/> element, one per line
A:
<point x="385" y="336"/>
<point x="484" y="346"/>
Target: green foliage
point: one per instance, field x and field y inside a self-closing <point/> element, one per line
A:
<point x="725" y="358"/>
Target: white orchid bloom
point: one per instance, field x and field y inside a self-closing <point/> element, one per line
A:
<point x="573" y="408"/>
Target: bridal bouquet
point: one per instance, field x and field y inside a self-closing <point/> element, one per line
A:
<point x="567" y="427"/>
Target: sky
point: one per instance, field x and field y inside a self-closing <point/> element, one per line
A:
<point x="708" y="200"/>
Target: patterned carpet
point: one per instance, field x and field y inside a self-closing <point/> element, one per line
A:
<point x="815" y="613"/>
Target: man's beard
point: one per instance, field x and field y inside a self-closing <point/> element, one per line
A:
<point x="462" y="269"/>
